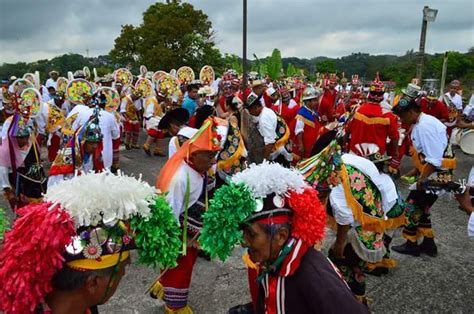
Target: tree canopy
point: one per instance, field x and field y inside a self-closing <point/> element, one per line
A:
<point x="171" y="35"/>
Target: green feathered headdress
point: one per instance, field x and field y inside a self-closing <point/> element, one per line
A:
<point x="157" y="237"/>
<point x="231" y="205"/>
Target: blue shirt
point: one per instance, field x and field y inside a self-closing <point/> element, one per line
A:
<point x="190" y="105"/>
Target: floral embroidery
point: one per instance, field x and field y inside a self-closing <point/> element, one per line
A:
<point x="357" y="181"/>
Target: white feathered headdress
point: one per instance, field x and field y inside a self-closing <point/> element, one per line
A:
<point x="95" y="197"/>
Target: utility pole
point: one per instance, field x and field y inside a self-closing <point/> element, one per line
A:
<point x="87" y="52"/>
<point x="244" y="50"/>
<point x="429" y="15"/>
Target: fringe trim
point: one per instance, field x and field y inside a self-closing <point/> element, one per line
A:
<point x="367" y="222"/>
<point x="385" y="263"/>
<point x="184" y="310"/>
<point x="248" y="262"/>
<point x="157" y="290"/>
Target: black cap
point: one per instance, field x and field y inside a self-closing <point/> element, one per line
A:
<point x="179" y="115"/>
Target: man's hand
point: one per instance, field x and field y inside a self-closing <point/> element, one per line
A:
<point x="10" y="197"/>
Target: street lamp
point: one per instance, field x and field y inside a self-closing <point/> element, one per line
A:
<point x="429" y="15"/>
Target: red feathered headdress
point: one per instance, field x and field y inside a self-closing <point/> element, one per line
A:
<point x="27" y="265"/>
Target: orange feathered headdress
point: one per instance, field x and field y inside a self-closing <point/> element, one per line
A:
<point x="206" y="139"/>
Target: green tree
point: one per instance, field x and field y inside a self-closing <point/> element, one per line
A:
<point x="326" y="66"/>
<point x="172" y="34"/>
<point x="274" y="65"/>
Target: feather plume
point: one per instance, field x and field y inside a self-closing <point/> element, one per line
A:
<point x="267" y="178"/>
<point x="95" y="197"/>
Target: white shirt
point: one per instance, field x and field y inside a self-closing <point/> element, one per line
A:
<point x="456" y="100"/>
<point x="177" y="188"/>
<point x="109" y="128"/>
<point x="267" y="124"/>
<point x="388" y="191"/>
<point x="51" y="83"/>
<point x="429" y="138"/>
<point x="42" y="118"/>
<point x="186" y="132"/>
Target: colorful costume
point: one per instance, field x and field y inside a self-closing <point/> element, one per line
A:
<point x="73" y="160"/>
<point x="301" y="279"/>
<point x="131" y="125"/>
<point x="187" y="193"/>
<point x="87" y="223"/>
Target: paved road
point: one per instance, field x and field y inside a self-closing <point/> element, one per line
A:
<point x="443" y="284"/>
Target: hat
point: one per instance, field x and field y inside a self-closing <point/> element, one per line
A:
<point x="13" y="77"/>
<point x="404" y="104"/>
<point x="92" y="131"/>
<point x="256" y="83"/>
<point x="266" y="193"/>
<point x="370" y="151"/>
<point x="432" y="94"/>
<point x="179" y="115"/>
<point x="311" y="93"/>
<point x="271" y="91"/>
<point x="412" y="90"/>
<point x="53" y="72"/>
<point x="205" y="139"/>
<point x="79" y="74"/>
<point x="355" y="79"/>
<point x="252" y="99"/>
<point x="207" y="90"/>
<point x="89" y="222"/>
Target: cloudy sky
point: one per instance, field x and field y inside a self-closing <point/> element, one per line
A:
<point x="37" y="29"/>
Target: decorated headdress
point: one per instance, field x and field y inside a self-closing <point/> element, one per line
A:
<point x="207" y="75"/>
<point x="404" y="104"/>
<point x="87" y="223"/>
<point x="371" y="151"/>
<point x="185" y="75"/>
<point x="412" y="90"/>
<point x="266" y="193"/>
<point x="206" y="139"/>
<point x="311" y="93"/>
<point x="376" y="89"/>
<point x="252" y="99"/>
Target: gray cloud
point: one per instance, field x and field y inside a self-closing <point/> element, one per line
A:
<point x="37" y="29"/>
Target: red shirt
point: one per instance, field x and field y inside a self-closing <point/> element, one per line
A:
<point x="437" y="109"/>
<point x="371" y="125"/>
<point x="327" y="106"/>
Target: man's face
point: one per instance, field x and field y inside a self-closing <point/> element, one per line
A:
<point x="313" y="103"/>
<point x="408" y="117"/>
<point x="262" y="247"/>
<point x="255" y="110"/>
<point x="193" y="93"/>
<point x="332" y="85"/>
<point x="102" y="288"/>
<point x="174" y="128"/>
<point x="259" y="89"/>
<point x="54" y="76"/>
<point x="119" y="87"/>
<point x="203" y="160"/>
<point x="52" y="91"/>
<point x="453" y="90"/>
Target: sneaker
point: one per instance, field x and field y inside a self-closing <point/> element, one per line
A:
<point x="428" y="246"/>
<point x="409" y="248"/>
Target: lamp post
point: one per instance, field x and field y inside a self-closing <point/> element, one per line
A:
<point x="429" y="15"/>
